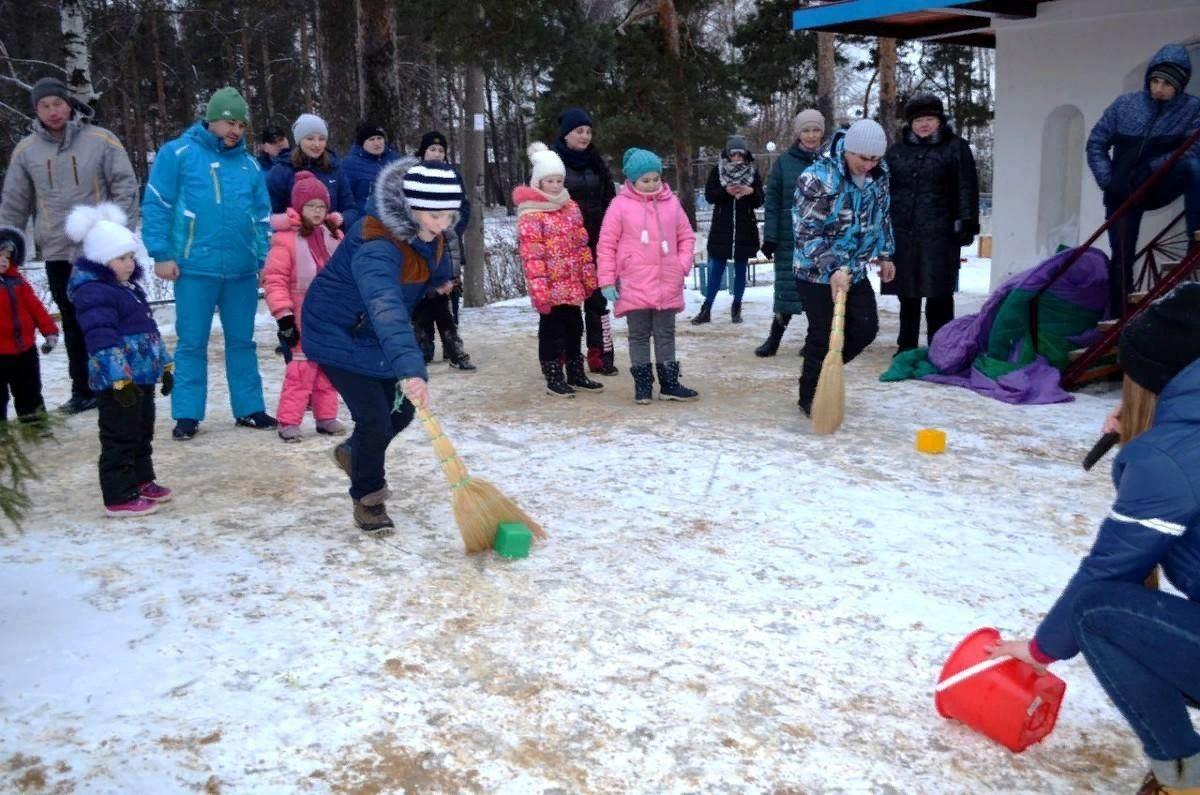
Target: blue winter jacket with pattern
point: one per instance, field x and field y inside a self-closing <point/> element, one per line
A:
<point x="1156" y="517"/>
<point x="357" y="313"/>
<point x="839" y="224"/>
<point x="123" y="342"/>
<point x="1142" y="132"/>
<point x="206" y="206"/>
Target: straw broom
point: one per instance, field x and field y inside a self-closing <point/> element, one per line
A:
<point x="479" y="507"/>
<point x="829" y="403"/>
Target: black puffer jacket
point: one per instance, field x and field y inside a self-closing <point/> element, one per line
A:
<point x="590" y="184"/>
<point x="734" y="230"/>
<point x="935" y="211"/>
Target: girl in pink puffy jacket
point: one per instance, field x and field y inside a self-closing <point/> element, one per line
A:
<point x="304" y="239"/>
<point x="559" y="272"/>
<point x="644" y="254"/>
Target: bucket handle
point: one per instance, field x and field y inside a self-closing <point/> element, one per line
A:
<point x="967" y="673"/>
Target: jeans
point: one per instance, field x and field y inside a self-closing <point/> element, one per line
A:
<point x="559" y="333"/>
<point x="126" y="436"/>
<point x="938" y="312"/>
<point x="236" y="300"/>
<point x="1144" y="646"/>
<point x="58" y="273"/>
<point x="371" y="402"/>
<point x="716" y="271"/>
<point x="1182" y="180"/>
<point x="646" y="323"/>
<point x="861" y="326"/>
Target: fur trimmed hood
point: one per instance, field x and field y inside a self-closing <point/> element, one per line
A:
<point x="17" y="238"/>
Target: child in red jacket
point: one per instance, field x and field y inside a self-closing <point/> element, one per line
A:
<point x="20" y="313"/>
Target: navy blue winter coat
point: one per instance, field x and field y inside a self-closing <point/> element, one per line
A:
<point x="360" y="168"/>
<point x="1156" y="516"/>
<point x="282" y="176"/>
<point x="357" y="313"/>
<point x="123" y="342"/>
<point x="1142" y="132"/>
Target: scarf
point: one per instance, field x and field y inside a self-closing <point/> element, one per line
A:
<point x="574" y="159"/>
<point x="549" y="205"/>
<point x="731" y="173"/>
<point x="316" y="244"/>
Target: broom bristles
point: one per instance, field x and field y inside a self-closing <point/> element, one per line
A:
<point x="829" y="403"/>
<point x="479" y="508"/>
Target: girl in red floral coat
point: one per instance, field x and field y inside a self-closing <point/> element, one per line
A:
<point x="559" y="271"/>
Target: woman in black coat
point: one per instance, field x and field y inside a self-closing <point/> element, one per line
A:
<point x="935" y="212"/>
<point x="735" y="191"/>
<point x="591" y="187"/>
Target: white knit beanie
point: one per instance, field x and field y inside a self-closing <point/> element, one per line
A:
<point x="101" y="228"/>
<point x="546" y="163"/>
<point x="307" y="124"/>
<point x="865" y="137"/>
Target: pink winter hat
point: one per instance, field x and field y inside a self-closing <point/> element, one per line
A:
<point x="308" y="188"/>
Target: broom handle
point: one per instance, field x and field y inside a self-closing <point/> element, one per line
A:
<point x="837" y="333"/>
<point x="452" y="466"/>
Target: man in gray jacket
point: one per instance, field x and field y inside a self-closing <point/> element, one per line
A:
<point x="65" y="161"/>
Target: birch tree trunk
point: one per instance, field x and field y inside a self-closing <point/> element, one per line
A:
<point x="76" y="57"/>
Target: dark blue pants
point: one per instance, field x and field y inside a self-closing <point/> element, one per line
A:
<point x="1143" y="646"/>
<point x="716" y="272"/>
<point x="1182" y="180"/>
<point x="371" y="401"/>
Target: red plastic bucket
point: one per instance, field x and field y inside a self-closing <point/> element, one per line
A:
<point x="1009" y="702"/>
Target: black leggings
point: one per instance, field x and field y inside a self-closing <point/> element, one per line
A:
<point x="559" y="333"/>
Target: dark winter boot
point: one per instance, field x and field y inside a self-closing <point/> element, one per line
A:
<point x="704" y="315"/>
<point x="370" y="514"/>
<point x="669" y="387"/>
<point x="606" y="359"/>
<point x="577" y="377"/>
<point x="735" y="312"/>
<point x="807" y="393"/>
<point x="452" y="345"/>
<point x="341" y="457"/>
<point x="643" y="383"/>
<point x="555" y="384"/>
<point x="424" y="341"/>
<point x="774" y="337"/>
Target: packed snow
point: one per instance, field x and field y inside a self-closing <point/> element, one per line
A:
<point x="727" y="603"/>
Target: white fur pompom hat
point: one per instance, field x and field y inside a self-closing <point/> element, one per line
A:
<point x="102" y="231"/>
<point x="546" y="163"/>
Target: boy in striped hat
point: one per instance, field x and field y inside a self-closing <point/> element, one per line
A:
<point x="357" y="318"/>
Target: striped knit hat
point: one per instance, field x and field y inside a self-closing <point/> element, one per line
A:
<point x="431" y="185"/>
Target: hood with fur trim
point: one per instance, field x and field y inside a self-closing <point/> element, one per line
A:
<point x="14" y="236"/>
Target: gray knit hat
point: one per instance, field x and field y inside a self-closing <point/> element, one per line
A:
<point x="306" y="124"/>
<point x="736" y="143"/>
<point x="865" y="137"/>
<point x="807" y="117"/>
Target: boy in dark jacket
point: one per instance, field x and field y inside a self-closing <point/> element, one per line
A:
<point x="126" y="356"/>
<point x="357" y="319"/>
<point x="21" y="313"/>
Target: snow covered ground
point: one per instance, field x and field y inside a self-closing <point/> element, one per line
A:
<point x="727" y="603"/>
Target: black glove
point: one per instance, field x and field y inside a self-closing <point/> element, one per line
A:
<point x="768" y="248"/>
<point x="289" y="335"/>
<point x="168" y="382"/>
<point x="126" y="395"/>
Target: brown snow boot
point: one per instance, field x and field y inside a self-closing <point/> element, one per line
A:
<point x="370" y="514"/>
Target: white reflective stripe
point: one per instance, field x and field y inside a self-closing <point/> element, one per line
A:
<point x="1161" y="525"/>
<point x="189" y="214"/>
<point x="266" y="219"/>
<point x="182" y="149"/>
<point x="161" y="200"/>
